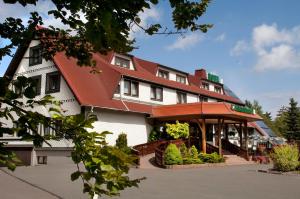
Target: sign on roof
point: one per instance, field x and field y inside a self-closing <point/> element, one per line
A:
<point x="213" y="78"/>
<point x="243" y="109"/>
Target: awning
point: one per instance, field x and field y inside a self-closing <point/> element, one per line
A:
<point x="204" y="110"/>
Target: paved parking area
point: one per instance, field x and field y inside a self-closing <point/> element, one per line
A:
<point x="232" y="182"/>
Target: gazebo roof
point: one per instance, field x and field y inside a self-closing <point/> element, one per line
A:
<point x="203" y="110"/>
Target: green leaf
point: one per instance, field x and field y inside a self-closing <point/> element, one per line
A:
<point x="75" y="175"/>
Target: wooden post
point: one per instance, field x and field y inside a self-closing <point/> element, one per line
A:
<point x="202" y="126"/>
<point x="246" y="138"/>
<point x="226" y="132"/>
<point x="203" y="136"/>
<point x="219" y="136"/>
<point x="241" y="136"/>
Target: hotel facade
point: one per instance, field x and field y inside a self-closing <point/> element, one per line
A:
<point x="122" y="96"/>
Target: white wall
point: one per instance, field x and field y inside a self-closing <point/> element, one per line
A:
<point x="65" y="95"/>
<point x="133" y="124"/>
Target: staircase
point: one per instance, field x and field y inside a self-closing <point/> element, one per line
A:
<point x="232" y="159"/>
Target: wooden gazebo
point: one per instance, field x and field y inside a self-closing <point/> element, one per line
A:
<point x="220" y="113"/>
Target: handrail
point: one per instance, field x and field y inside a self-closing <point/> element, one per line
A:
<point x="232" y="148"/>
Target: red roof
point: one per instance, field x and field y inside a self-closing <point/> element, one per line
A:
<point x="98" y="89"/>
<point x="210" y="110"/>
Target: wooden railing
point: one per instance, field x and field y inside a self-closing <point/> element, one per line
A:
<point x="148" y="148"/>
<point x="211" y="148"/>
<point x="232" y="148"/>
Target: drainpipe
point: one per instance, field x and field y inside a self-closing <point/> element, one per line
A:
<point x="122" y="80"/>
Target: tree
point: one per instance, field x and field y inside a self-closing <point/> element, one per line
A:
<point x="292" y="121"/>
<point x="106" y="27"/>
<point x="280" y="120"/>
<point x="267" y="118"/>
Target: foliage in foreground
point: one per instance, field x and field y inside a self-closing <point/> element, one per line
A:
<point x="178" y="130"/>
<point x="172" y="155"/>
<point x="285" y="157"/>
<point x="104" y="167"/>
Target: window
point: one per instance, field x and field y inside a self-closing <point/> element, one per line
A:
<point x="203" y="99"/>
<point x="180" y="79"/>
<point x="52" y="82"/>
<point x="218" y="89"/>
<point x="35" y="55"/>
<point x="156" y="93"/>
<point x="37" y="87"/>
<point x="205" y="86"/>
<point x="47" y="130"/>
<point x="42" y="159"/>
<point x="131" y="88"/>
<point x="164" y="74"/>
<point x="181" y="97"/>
<point x="125" y="63"/>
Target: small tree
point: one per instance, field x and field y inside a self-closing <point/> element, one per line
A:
<point x="285" y="158"/>
<point x="121" y="143"/>
<point x="184" y="151"/>
<point x="172" y="155"/>
<point x="178" y="130"/>
<point x="292" y="121"/>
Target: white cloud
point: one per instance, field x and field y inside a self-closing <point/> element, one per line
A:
<point x="275" y="48"/>
<point x="147" y="17"/>
<point x="185" y="42"/>
<point x="221" y="37"/>
<point x="240" y="47"/>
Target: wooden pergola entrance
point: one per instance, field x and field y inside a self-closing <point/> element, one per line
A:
<point x="220" y="113"/>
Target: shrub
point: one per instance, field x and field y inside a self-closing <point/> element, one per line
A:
<point x="154" y="135"/>
<point x="193" y="152"/>
<point x="184" y="151"/>
<point x="285" y="158"/>
<point x="121" y="143"/>
<point x="192" y="161"/>
<point x="211" y="158"/>
<point x="178" y="130"/>
<point x="172" y="155"/>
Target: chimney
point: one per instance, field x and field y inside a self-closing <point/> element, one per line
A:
<point x="201" y="73"/>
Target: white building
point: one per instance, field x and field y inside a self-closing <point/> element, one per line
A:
<point x="121" y="95"/>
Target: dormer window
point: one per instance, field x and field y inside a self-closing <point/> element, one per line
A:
<point x="218" y="89"/>
<point x="35" y="55"/>
<point x="205" y="85"/>
<point x="164" y="74"/>
<point x="122" y="62"/>
<point x="181" y="79"/>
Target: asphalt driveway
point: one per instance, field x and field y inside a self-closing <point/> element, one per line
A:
<point x="232" y="182"/>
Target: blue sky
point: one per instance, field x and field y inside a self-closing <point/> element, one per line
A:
<point x="254" y="46"/>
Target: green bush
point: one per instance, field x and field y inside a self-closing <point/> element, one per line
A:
<point x="172" y="155"/>
<point x="211" y="158"/>
<point x="121" y="143"/>
<point x="285" y="158"/>
<point x="154" y="135"/>
<point x="184" y="151"/>
<point x="192" y="161"/>
<point x="193" y="152"/>
<point x="178" y="130"/>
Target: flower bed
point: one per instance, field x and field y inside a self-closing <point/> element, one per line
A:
<point x="183" y="157"/>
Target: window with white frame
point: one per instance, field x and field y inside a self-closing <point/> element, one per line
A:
<point x="205" y="85"/>
<point x="156" y="93"/>
<point x="122" y="62"/>
<point x="164" y="74"/>
<point x="181" y="97"/>
<point x="218" y="89"/>
<point x="181" y="79"/>
<point x="131" y="88"/>
<point x="35" y="55"/>
<point x="52" y="82"/>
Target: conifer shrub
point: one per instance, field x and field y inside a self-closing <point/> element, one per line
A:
<point x="211" y="158"/>
<point x="121" y="143"/>
<point x="172" y="155"/>
<point x="184" y="151"/>
<point x="285" y="158"/>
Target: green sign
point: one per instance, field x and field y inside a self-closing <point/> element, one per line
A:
<point x="242" y="109"/>
<point x="213" y="78"/>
